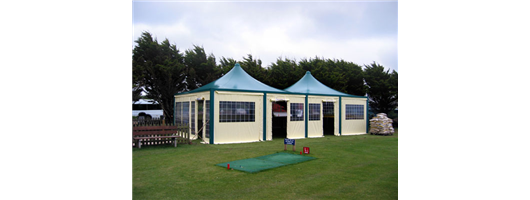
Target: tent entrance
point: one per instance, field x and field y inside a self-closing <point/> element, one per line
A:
<point x="279" y="119"/>
<point x="203" y="119"/>
<point x="329" y="118"/>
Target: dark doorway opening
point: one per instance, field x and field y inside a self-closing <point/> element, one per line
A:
<point x="329" y="118"/>
<point x="200" y="122"/>
<point x="279" y="119"/>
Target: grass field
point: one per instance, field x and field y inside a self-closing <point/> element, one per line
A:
<point x="347" y="167"/>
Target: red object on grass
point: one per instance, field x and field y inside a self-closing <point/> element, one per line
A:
<point x="300" y="153"/>
<point x="306" y="150"/>
<point x="228" y="167"/>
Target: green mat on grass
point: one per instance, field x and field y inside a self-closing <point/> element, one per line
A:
<point x="265" y="162"/>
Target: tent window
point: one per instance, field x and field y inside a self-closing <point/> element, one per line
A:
<point x="182" y="112"/>
<point x="185" y="112"/>
<point x="297" y="112"/>
<point x="314" y="112"/>
<point x="233" y="111"/>
<point x="178" y="112"/>
<point x="354" y="111"/>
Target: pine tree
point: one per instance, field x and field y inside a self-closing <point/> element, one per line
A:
<point x="158" y="69"/>
<point x="382" y="88"/>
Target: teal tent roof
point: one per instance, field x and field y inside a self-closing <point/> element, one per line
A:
<point x="310" y="85"/>
<point x="237" y="80"/>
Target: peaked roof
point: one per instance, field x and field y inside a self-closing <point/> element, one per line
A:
<point x="310" y="85"/>
<point x="237" y="80"/>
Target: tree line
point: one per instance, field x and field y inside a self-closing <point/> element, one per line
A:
<point x="160" y="70"/>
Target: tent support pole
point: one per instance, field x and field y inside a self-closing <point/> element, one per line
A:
<point x="264" y="116"/>
<point x="340" y="115"/>
<point x="366" y="115"/>
<point x="306" y="114"/>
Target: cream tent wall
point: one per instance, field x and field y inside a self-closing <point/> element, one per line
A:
<point x="353" y="126"/>
<point x="315" y="127"/>
<point x="295" y="129"/>
<point x="239" y="132"/>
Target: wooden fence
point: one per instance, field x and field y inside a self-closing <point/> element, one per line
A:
<point x="149" y="121"/>
<point x="150" y="130"/>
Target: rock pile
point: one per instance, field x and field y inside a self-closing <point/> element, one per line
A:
<point x="381" y="125"/>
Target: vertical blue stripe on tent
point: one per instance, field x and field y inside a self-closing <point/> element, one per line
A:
<point x="340" y="115"/>
<point x="366" y="115"/>
<point x="264" y="116"/>
<point x="306" y="115"/>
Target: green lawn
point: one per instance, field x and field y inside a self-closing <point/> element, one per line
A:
<point x="347" y="167"/>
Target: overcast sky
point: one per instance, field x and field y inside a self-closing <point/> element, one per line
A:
<point x="359" y="32"/>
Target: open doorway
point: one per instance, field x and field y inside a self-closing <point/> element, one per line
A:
<point x="279" y="119"/>
<point x="329" y="118"/>
<point x="203" y="118"/>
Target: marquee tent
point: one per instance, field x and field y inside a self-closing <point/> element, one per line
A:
<point x="229" y="110"/>
<point x="237" y="108"/>
<point x="326" y="108"/>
